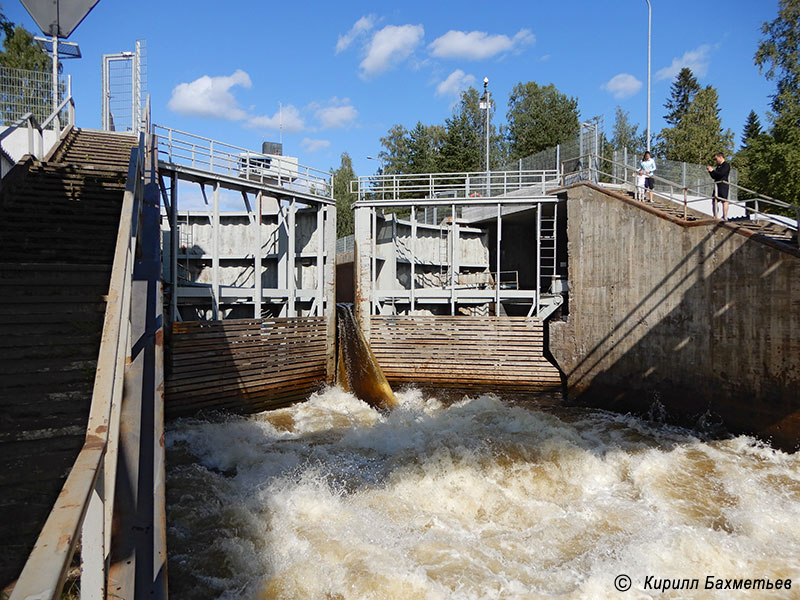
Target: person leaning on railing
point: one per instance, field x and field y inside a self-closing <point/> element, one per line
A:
<point x="720" y="175"/>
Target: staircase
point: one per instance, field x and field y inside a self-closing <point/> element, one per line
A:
<point x="760" y="227"/>
<point x="58" y="229"/>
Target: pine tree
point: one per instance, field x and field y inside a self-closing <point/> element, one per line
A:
<point x="698" y="135"/>
<point x="752" y="129"/>
<point x="462" y="144"/>
<point x="682" y="92"/>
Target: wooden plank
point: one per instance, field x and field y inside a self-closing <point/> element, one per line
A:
<point x="245" y="365"/>
<point x="482" y="352"/>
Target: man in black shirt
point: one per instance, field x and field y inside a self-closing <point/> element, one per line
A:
<point x="720" y="175"/>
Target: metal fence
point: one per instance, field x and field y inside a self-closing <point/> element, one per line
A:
<point x="182" y="149"/>
<point x="23" y="91"/>
<point x="573" y="157"/>
<point x="688" y="175"/>
<point x="124" y="89"/>
<point x="446" y="186"/>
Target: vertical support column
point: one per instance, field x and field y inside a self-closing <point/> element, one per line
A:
<point x="625" y="162"/>
<point x="291" y="251"/>
<point x="555" y="239"/>
<point x="93" y="549"/>
<point x="320" y="256"/>
<point x="174" y="240"/>
<point x="282" y="231"/>
<point x="105" y="124"/>
<point x="330" y="289"/>
<point x="497" y="261"/>
<point x="538" y="253"/>
<point x="453" y="261"/>
<point x="362" y="267"/>
<point x="215" y="296"/>
<point x="56" y="102"/>
<point x="374" y="259"/>
<point x="413" y="258"/>
<point x="258" y="251"/>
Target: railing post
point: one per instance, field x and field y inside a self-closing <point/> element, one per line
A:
<point x="685" y="202"/>
<point x="31" y="149"/>
<point x="211" y="155"/>
<point x="93" y="551"/>
<point x="625" y="162"/>
<point x="797" y="222"/>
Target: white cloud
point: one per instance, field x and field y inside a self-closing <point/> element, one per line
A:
<point x="210" y="97"/>
<point x="332" y="117"/>
<point x="455" y="82"/>
<point x="697" y="60"/>
<point x="623" y="85"/>
<point x="310" y="145"/>
<point x="362" y="26"/>
<point x="478" y="45"/>
<point x="390" y="46"/>
<point x="287" y="118"/>
<point x="545" y="58"/>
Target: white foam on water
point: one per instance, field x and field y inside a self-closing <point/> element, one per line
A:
<point x="479" y="499"/>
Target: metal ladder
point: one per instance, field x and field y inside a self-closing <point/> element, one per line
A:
<point x="548" y="262"/>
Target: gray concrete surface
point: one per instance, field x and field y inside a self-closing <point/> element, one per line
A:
<point x="698" y="323"/>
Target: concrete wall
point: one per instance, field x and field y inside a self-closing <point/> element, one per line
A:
<point x="702" y="318"/>
<point x="16" y="144"/>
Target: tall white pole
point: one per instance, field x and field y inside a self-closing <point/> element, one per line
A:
<point x="56" y="124"/>
<point x="486" y="99"/>
<point x="649" y="38"/>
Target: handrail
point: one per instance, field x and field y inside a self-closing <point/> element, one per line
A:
<point x="33" y="124"/>
<point x="46" y="568"/>
<point x="700" y="196"/>
<point x="463" y="184"/>
<point x="195" y="151"/>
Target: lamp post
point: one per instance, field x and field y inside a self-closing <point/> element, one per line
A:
<point x="649" y="38"/>
<point x="487" y="105"/>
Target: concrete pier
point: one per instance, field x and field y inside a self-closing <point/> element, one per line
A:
<point x="702" y="316"/>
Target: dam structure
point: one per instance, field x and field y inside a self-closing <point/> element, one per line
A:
<point x="159" y="274"/>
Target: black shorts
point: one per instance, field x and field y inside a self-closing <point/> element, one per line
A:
<point x="649" y="183"/>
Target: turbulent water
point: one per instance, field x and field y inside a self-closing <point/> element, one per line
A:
<point x="478" y="499"/>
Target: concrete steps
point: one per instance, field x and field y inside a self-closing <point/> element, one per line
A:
<point x="58" y="229"/>
<point x="767" y="229"/>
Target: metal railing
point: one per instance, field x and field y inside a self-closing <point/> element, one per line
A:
<point x="686" y="195"/>
<point x="36" y="130"/>
<point x="454" y="185"/>
<point x="85" y="505"/>
<point x="204" y="154"/>
<point x="24" y="90"/>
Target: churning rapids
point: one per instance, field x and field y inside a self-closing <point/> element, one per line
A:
<point x="477" y="499"/>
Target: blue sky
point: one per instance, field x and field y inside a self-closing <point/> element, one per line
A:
<point x="347" y="71"/>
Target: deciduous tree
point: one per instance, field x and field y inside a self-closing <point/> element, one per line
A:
<point x="342" y="176"/>
<point x="539" y="117"/>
